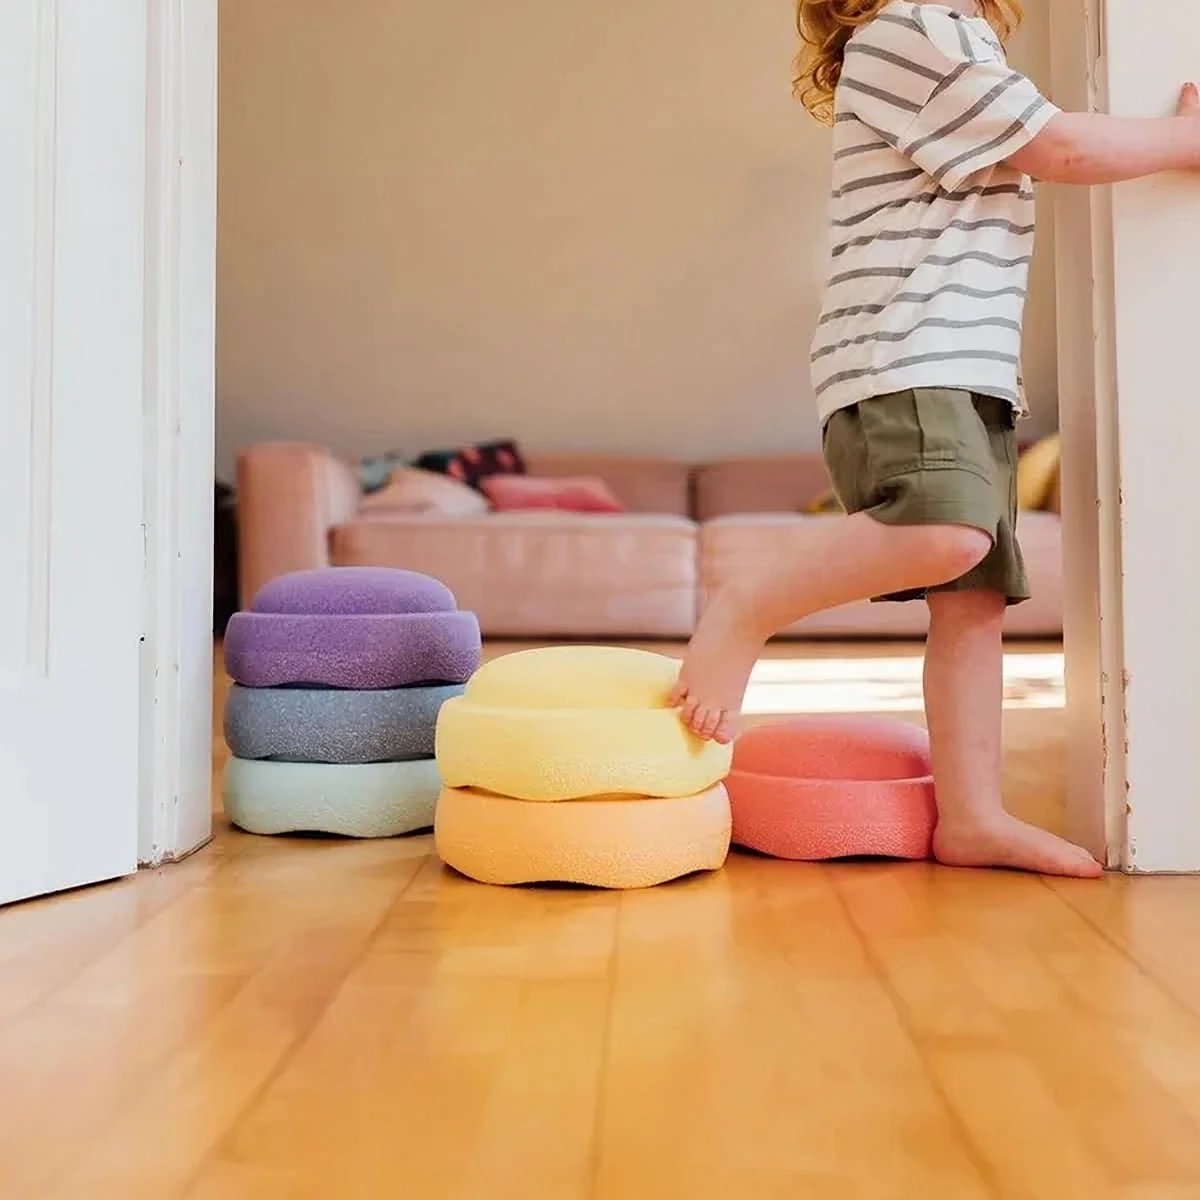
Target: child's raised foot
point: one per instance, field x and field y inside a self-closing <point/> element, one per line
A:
<point x="716" y="669"/>
<point x="1006" y="843"/>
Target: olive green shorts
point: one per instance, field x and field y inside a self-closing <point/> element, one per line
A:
<point x="934" y="456"/>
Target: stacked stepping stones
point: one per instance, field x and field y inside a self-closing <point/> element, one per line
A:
<point x="566" y="765"/>
<point x="822" y="787"/>
<point x="339" y="676"/>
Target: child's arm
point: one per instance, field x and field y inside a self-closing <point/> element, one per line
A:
<point x="1092" y="148"/>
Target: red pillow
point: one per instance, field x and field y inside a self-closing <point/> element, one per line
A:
<point x="522" y="493"/>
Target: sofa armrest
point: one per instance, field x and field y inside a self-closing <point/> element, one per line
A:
<point x="290" y="496"/>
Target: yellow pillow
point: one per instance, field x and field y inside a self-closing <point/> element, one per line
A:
<point x="826" y="502"/>
<point x="1037" y="472"/>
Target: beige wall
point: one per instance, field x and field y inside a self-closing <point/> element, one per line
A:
<point x="588" y="225"/>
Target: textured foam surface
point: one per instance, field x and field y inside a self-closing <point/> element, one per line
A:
<point x="571" y="722"/>
<point x="352" y="627"/>
<point x="328" y="726"/>
<point x="368" y="801"/>
<point x="833" y="787"/>
<point x="353" y="650"/>
<point x="339" y="590"/>
<point x="605" y="843"/>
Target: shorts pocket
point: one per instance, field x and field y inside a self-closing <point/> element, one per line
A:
<point x="891" y="439"/>
<point x="844" y="450"/>
<point x="941" y="417"/>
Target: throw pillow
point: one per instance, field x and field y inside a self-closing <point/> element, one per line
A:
<point x="374" y="473"/>
<point x="518" y="493"/>
<point x="826" y="502"/>
<point x="412" y="491"/>
<point x="1037" y="472"/>
<point x="472" y="464"/>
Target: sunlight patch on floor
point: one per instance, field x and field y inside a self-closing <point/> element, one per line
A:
<point x="861" y="685"/>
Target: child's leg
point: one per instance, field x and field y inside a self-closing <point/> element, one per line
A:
<point x="832" y="562"/>
<point x="917" y="470"/>
<point x="964" y="693"/>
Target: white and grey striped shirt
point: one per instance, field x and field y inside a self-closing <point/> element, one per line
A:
<point x="932" y="231"/>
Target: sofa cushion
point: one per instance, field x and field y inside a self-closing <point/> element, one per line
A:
<point x="782" y="484"/>
<point x="545" y="574"/>
<point x="643" y="485"/>
<point x="731" y="545"/>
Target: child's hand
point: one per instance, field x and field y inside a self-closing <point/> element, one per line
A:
<point x="1189" y="108"/>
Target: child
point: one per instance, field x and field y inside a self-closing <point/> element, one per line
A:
<point x="915" y="366"/>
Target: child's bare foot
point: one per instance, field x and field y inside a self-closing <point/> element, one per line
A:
<point x="1006" y="842"/>
<point x="716" y="670"/>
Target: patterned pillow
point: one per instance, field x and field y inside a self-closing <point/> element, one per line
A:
<point x="472" y="464"/>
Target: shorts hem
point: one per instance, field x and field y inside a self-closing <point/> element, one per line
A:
<point x="1011" y="601"/>
<point x="928" y="512"/>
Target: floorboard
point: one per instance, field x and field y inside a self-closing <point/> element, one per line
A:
<point x="302" y="1018"/>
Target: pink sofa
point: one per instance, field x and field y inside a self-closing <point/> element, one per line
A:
<point x="643" y="574"/>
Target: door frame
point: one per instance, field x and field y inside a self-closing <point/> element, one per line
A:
<point x="175" y="792"/>
<point x="1122" y="802"/>
<point x="1126" y="342"/>
<point x="1092" y="606"/>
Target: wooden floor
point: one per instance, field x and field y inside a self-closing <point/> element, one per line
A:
<point x="295" y="1019"/>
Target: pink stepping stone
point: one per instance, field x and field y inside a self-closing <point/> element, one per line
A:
<point x="826" y="787"/>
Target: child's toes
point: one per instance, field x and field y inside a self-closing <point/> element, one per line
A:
<point x="726" y="729"/>
<point x="706" y="723"/>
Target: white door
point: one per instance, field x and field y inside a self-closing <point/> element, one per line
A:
<point x="72" y="187"/>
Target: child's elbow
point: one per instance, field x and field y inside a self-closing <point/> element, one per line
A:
<point x="1052" y="156"/>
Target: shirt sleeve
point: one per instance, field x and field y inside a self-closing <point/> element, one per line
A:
<point x="939" y="92"/>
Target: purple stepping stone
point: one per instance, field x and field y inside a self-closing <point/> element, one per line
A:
<point x="352" y="627"/>
<point x="360" y="590"/>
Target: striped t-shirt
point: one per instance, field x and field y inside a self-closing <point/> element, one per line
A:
<point x="932" y="231"/>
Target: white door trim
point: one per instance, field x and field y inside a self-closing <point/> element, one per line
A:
<point x="176" y="667"/>
<point x="1131" y="570"/>
<point x="1087" y="407"/>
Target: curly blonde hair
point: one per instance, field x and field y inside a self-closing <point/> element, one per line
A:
<point x="825" y="26"/>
